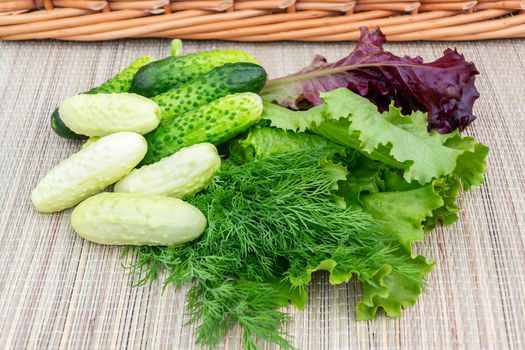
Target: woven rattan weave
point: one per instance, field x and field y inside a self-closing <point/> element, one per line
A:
<point x="260" y="20"/>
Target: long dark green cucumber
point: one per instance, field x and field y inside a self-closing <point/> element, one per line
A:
<point x="215" y="122"/>
<point x="119" y="83"/>
<point x="221" y="81"/>
<point x="163" y="75"/>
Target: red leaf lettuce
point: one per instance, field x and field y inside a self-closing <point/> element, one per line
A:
<point x="444" y="88"/>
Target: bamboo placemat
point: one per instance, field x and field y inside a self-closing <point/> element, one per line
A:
<point x="60" y="292"/>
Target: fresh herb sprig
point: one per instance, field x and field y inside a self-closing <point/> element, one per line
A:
<point x="269" y="221"/>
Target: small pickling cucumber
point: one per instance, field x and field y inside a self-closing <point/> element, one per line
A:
<point x="88" y="171"/>
<point x="181" y="174"/>
<point x="221" y="81"/>
<point x="104" y="114"/>
<point x="119" y="83"/>
<point x="123" y="80"/>
<point x="137" y="219"/>
<point x="215" y="123"/>
<point x="162" y="75"/>
<point x="61" y="129"/>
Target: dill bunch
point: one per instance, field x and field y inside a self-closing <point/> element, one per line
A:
<point x="268" y="222"/>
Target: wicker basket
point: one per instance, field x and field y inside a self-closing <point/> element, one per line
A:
<point x="260" y="20"/>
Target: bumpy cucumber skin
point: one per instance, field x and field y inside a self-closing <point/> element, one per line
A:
<point x="215" y="123"/>
<point x="137" y="219"/>
<point x="183" y="173"/>
<point x="88" y="171"/>
<point x="119" y="83"/>
<point x="104" y="114"/>
<point x="221" y="81"/>
<point x="162" y="75"/>
<point x="123" y="80"/>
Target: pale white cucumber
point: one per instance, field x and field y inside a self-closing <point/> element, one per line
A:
<point x="137" y="219"/>
<point x="104" y="114"/>
<point x="88" y="171"/>
<point x="183" y="173"/>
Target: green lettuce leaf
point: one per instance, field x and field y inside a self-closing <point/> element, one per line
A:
<point x="336" y="274"/>
<point x="264" y="142"/>
<point x="391" y="290"/>
<point x="365" y="176"/>
<point x="402" y="213"/>
<point x="407" y="210"/>
<point x="396" y="137"/>
<point x="391" y="279"/>
<point x="471" y="164"/>
<point x="391" y="138"/>
<point x="296" y="295"/>
<point x="297" y="121"/>
<point x="448" y="189"/>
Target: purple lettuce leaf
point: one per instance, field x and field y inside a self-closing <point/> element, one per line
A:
<point x="444" y="88"/>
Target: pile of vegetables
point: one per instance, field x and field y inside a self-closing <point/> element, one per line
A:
<point x="244" y="188"/>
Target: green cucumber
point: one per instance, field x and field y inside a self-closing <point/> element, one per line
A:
<point x="221" y="81"/>
<point x="163" y="75"/>
<point x="137" y="219"/>
<point x="215" y="123"/>
<point x="61" y="129"/>
<point x="119" y="83"/>
<point x="88" y="171"/>
<point x="181" y="174"/>
<point x="104" y="114"/>
<point x="122" y="81"/>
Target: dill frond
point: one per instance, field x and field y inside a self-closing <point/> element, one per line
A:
<point x="268" y="220"/>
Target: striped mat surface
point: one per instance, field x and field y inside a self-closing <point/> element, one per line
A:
<point x="58" y="291"/>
